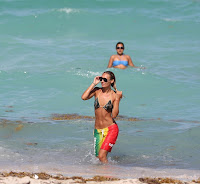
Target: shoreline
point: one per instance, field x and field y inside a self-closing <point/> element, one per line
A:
<point x="90" y="171"/>
<point x="44" y="178"/>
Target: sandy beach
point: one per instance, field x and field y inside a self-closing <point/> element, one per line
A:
<point x="44" y="178"/>
<point x="28" y="180"/>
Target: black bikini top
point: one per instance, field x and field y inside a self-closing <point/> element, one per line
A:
<point x="107" y="107"/>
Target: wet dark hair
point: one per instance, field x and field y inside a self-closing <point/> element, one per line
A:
<point x="112" y="76"/>
<point x="120" y="43"/>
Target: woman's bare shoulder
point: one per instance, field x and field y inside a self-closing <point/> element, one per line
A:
<point x="127" y="56"/>
<point x="97" y="90"/>
<point x="113" y="56"/>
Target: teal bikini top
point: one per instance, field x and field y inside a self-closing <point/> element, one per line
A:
<point x="116" y="63"/>
<point x="120" y="62"/>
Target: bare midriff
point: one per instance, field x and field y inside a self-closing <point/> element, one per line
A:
<point x="121" y="66"/>
<point x="103" y="118"/>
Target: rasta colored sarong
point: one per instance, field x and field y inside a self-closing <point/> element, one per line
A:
<point x="105" y="138"/>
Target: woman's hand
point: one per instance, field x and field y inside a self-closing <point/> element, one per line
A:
<point x="96" y="80"/>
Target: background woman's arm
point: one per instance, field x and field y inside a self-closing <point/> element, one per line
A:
<point x="130" y="63"/>
<point x="110" y="62"/>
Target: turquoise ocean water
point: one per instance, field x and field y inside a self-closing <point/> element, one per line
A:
<point x="50" y="53"/>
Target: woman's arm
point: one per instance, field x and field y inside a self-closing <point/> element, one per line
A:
<point x="115" y="110"/>
<point x="90" y="91"/>
<point x="110" y="62"/>
<point x="130" y="63"/>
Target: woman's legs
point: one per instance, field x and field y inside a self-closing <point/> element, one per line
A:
<point x="103" y="156"/>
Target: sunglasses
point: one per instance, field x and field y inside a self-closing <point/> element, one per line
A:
<point x="120" y="47"/>
<point x="101" y="78"/>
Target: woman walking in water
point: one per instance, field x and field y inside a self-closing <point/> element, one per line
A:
<point x="106" y="106"/>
